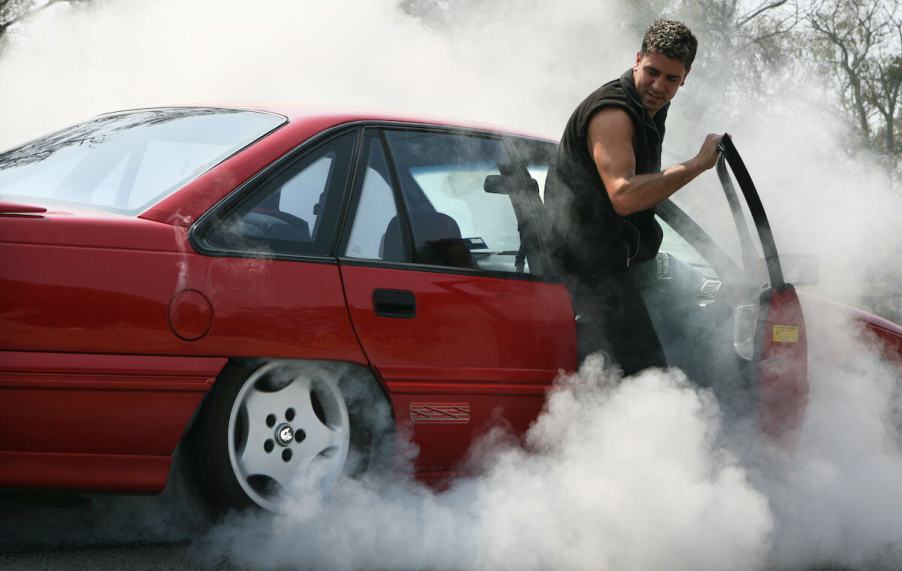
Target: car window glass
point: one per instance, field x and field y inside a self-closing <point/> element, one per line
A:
<point x="376" y="231"/>
<point x="166" y="159"/>
<point x="294" y="211"/>
<point x="454" y="221"/>
<point x="110" y="189"/>
<point x="301" y="193"/>
<point x="125" y="162"/>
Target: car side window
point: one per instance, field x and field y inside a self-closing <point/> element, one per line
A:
<point x="295" y="211"/>
<point x="455" y="221"/>
<point x="376" y="231"/>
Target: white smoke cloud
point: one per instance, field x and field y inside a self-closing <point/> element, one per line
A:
<point x="495" y="65"/>
<point x="629" y="474"/>
<point x="636" y="475"/>
<point x="615" y="475"/>
<point x="838" y="501"/>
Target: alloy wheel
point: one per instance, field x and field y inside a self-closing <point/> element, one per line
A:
<point x="286" y="424"/>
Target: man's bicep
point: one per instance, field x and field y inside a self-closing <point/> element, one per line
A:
<point x="611" y="146"/>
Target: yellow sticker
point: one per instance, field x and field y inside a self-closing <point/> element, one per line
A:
<point x="786" y="333"/>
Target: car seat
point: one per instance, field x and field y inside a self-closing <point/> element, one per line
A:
<point x="437" y="239"/>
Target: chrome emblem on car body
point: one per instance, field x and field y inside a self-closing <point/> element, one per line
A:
<point x="284" y="434"/>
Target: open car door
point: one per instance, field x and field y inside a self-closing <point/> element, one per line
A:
<point x="770" y="331"/>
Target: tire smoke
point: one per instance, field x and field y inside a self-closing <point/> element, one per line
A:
<point x="616" y="474"/>
<point x="636" y="473"/>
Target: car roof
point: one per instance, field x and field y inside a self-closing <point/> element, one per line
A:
<point x="304" y="121"/>
<point x="322" y="113"/>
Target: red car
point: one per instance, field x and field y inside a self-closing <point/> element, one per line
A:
<point x="283" y="290"/>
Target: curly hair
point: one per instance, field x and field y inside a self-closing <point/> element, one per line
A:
<point x="672" y="39"/>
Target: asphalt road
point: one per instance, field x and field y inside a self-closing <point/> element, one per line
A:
<point x="138" y="557"/>
<point x="69" y="531"/>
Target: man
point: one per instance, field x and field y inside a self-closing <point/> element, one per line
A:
<point x="602" y="190"/>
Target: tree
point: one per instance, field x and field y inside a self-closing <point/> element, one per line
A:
<point x="860" y="43"/>
<point x="13" y="12"/>
<point x="750" y="39"/>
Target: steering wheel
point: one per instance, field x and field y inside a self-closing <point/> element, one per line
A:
<point x="271" y="226"/>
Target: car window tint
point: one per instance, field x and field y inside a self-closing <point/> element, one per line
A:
<point x="125" y="162"/>
<point x="294" y="211"/>
<point x="301" y="193"/>
<point x="376" y="231"/>
<point x="454" y="221"/>
<point x="109" y="189"/>
<point x="165" y="159"/>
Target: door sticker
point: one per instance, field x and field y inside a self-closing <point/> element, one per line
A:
<point x="786" y="333"/>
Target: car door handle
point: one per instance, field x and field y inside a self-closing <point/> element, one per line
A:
<point x="394" y="303"/>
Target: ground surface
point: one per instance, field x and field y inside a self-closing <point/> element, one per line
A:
<point x="69" y="531"/>
<point x="137" y="557"/>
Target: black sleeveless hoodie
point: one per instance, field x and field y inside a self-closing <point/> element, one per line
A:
<point x="587" y="237"/>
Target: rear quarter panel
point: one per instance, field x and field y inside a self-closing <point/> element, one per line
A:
<point x="87" y="344"/>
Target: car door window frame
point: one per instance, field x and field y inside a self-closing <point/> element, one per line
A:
<point x="400" y="203"/>
<point x="730" y="156"/>
<point x="368" y="136"/>
<point x="259" y="181"/>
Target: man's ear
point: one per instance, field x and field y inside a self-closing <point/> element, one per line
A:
<point x="638" y="59"/>
<point x="685" y="75"/>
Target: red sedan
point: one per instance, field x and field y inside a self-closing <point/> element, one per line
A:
<point x="282" y="291"/>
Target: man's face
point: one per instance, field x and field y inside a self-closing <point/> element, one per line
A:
<point x="657" y="78"/>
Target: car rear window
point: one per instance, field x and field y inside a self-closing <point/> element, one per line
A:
<point x="125" y="162"/>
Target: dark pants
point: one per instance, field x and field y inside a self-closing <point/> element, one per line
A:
<point x="613" y="318"/>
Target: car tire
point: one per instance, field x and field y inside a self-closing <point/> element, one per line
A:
<point x="266" y="426"/>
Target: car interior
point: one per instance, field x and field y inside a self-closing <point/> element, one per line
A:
<point x="437" y="241"/>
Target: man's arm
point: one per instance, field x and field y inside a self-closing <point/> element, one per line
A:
<point x="611" y="147"/>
